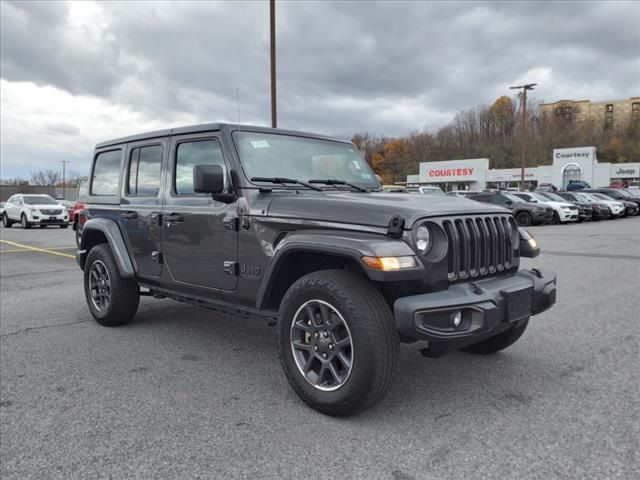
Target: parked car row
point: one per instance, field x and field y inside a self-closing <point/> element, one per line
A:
<point x="547" y="206"/>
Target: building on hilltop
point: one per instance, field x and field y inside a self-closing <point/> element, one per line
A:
<point x="610" y="113"/>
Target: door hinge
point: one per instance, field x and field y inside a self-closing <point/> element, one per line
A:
<point x="157" y="257"/>
<point x="231" y="268"/>
<point x="231" y="224"/>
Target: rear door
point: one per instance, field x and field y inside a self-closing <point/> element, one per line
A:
<point x="141" y="205"/>
<point x="199" y="235"/>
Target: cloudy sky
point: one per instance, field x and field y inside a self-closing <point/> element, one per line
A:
<point x="73" y="74"/>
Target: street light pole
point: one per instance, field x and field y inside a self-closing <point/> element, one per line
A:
<point x="64" y="181"/>
<point x="272" y="24"/>
<point x="528" y="86"/>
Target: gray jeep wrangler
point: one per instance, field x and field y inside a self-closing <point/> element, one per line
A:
<point x="295" y="228"/>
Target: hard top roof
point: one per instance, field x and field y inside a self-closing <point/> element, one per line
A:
<point x="209" y="127"/>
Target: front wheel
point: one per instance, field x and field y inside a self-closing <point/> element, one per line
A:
<point x="24" y="223"/>
<point x="337" y="342"/>
<point x="64" y="226"/>
<point x="498" y="342"/>
<point x="556" y="218"/>
<point x="112" y="299"/>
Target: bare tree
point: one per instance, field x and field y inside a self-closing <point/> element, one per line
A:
<point x="45" y="177"/>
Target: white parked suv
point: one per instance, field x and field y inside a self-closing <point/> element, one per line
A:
<point x="28" y="210"/>
<point x="562" y="211"/>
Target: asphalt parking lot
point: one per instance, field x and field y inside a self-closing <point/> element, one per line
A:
<point x="188" y="393"/>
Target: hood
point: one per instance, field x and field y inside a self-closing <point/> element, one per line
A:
<point x="373" y="209"/>
<point x="558" y="204"/>
<point x="57" y="206"/>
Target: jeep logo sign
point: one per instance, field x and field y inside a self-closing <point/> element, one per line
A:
<point x="629" y="170"/>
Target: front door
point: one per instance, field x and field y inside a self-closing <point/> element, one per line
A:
<point x="141" y="206"/>
<point x="199" y="234"/>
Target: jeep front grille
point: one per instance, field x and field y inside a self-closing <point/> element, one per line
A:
<point x="478" y="246"/>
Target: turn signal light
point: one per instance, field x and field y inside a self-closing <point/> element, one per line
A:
<point x="389" y="263"/>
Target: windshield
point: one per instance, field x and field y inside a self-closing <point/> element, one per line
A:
<point x="554" y="196"/>
<point x="539" y="197"/>
<point x="513" y="198"/>
<point x="37" y="200"/>
<point x="300" y="158"/>
<point x="581" y="197"/>
<point x="432" y="191"/>
<point x="602" y="196"/>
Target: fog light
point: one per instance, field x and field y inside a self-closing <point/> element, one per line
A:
<point x="456" y="318"/>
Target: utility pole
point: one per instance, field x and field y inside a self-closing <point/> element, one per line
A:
<point x="64" y="180"/>
<point x="272" y="24"/>
<point x="528" y="86"/>
<point x="238" y="102"/>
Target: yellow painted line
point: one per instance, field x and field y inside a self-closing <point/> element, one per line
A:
<point x="36" y="249"/>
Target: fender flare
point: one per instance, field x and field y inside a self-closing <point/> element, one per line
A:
<point x="109" y="228"/>
<point x="349" y="245"/>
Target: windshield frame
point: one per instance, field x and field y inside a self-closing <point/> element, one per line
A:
<point x="49" y="200"/>
<point x="373" y="185"/>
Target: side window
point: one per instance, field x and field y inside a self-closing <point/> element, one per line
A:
<point x="499" y="199"/>
<point x="144" y="171"/>
<point x="190" y="154"/>
<point x="106" y="172"/>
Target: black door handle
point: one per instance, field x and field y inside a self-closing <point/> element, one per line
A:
<point x="173" y="218"/>
<point x="129" y="215"/>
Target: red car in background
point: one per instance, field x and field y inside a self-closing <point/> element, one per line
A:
<point x="618" y="184"/>
<point x="75" y="218"/>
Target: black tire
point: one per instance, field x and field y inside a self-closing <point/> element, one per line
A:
<point x="499" y="342"/>
<point x="556" y="218"/>
<point x="124" y="293"/>
<point x="24" y="222"/>
<point x="524" y="219"/>
<point x="64" y="226"/>
<point x="371" y="330"/>
<point x="6" y="223"/>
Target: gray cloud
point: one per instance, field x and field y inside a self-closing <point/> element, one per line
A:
<point x="343" y="67"/>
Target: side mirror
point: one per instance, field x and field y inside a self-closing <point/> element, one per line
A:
<point x="528" y="246"/>
<point x="210" y="179"/>
<point x="509" y="202"/>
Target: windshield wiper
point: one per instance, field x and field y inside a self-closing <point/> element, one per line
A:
<point x="284" y="181"/>
<point x="329" y="181"/>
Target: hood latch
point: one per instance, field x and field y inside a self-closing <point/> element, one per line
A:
<point x="396" y="227"/>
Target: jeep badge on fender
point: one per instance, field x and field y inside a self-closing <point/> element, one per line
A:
<point x="348" y="271"/>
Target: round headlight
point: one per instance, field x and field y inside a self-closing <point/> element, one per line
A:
<point x="423" y="238"/>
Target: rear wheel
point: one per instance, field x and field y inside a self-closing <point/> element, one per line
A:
<point x="66" y="225"/>
<point x="524" y="219"/>
<point x="112" y="299"/>
<point x="337" y="341"/>
<point x="24" y="222"/>
<point x="499" y="342"/>
<point x="6" y="223"/>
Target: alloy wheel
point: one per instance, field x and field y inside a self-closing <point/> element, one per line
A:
<point x="322" y="346"/>
<point x="100" y="286"/>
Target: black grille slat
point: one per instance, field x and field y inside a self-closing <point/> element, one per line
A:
<point x="478" y="246"/>
<point x="474" y="250"/>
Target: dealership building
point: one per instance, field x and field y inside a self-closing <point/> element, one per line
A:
<point x="568" y="164"/>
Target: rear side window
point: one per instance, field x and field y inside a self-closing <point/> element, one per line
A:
<point x="106" y="173"/>
<point x="144" y="171"/>
<point x="190" y="154"/>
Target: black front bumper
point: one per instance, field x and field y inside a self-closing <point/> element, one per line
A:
<point x="486" y="308"/>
